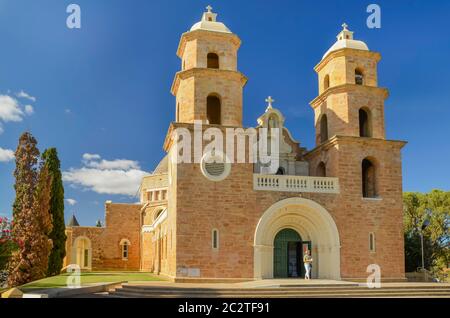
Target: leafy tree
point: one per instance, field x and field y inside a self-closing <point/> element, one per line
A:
<point x="427" y="214"/>
<point x="7" y="242"/>
<point x="58" y="236"/>
<point x="32" y="220"/>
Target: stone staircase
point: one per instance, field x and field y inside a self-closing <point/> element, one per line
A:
<point x="291" y="291"/>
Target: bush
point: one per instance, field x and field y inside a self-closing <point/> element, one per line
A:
<point x="7" y="242"/>
<point x="3" y="279"/>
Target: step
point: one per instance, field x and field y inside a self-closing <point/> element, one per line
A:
<point x="322" y="295"/>
<point x="276" y="291"/>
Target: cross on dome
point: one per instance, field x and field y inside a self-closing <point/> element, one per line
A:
<point x="269" y="101"/>
<point x="345" y="34"/>
<point x="209" y="16"/>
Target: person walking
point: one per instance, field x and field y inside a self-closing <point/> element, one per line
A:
<point x="307" y="260"/>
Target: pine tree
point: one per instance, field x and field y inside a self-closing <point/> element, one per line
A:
<point x="32" y="220"/>
<point x="58" y="236"/>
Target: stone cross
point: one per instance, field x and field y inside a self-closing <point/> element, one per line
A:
<point x="269" y="101"/>
<point x="345" y="26"/>
<point x="209" y="8"/>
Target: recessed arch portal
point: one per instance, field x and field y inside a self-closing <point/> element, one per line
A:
<point x="82" y="252"/>
<point x="312" y="222"/>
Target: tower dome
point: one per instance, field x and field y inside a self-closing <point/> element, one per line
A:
<point x="209" y="22"/>
<point x="345" y="40"/>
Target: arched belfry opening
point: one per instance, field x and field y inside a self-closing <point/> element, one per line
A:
<point x="213" y="60"/>
<point x="326" y="82"/>
<point x="365" y="127"/>
<point x="213" y="110"/>
<point x="359" y="77"/>
<point x="369" y="182"/>
<point x="323" y="128"/>
<point x="321" y="170"/>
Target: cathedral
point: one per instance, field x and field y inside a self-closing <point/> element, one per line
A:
<point x="239" y="221"/>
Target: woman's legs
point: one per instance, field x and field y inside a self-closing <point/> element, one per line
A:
<point x="307" y="271"/>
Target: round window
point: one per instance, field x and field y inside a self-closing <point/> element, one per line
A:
<point x="215" y="167"/>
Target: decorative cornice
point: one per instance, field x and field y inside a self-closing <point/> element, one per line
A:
<point x="205" y="72"/>
<point x="192" y="35"/>
<point x="347" y="52"/>
<point x="339" y="139"/>
<point x="348" y="88"/>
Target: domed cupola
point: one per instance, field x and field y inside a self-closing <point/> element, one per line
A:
<point x="209" y="23"/>
<point x="345" y="40"/>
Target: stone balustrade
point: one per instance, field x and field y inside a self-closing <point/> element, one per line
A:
<point x="285" y="183"/>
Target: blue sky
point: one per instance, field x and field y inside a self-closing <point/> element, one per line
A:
<point x="105" y="89"/>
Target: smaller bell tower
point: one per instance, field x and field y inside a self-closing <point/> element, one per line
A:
<point x="350" y="103"/>
<point x="209" y="87"/>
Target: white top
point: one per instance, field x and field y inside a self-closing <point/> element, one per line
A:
<point x="209" y="23"/>
<point x="345" y="40"/>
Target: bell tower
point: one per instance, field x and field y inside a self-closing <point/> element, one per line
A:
<point x="351" y="145"/>
<point x="209" y="87"/>
<point x="350" y="103"/>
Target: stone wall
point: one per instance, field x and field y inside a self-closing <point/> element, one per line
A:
<point x="122" y="222"/>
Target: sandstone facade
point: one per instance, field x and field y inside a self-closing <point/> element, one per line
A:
<point x="343" y="198"/>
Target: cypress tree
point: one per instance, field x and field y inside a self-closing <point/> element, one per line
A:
<point x="32" y="220"/>
<point x="58" y="236"/>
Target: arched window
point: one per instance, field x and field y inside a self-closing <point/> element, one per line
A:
<point x="215" y="239"/>
<point x="321" y="170"/>
<point x="369" y="189"/>
<point x="372" y="242"/>
<point x="359" y="77"/>
<point x="213" y="60"/>
<point x="365" y="128"/>
<point x="323" y="128"/>
<point x="326" y="82"/>
<point x="213" y="110"/>
<point x="125" y="245"/>
<point x="281" y="171"/>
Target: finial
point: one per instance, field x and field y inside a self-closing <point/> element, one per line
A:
<point x="209" y="8"/>
<point x="269" y="101"/>
<point x="345" y="26"/>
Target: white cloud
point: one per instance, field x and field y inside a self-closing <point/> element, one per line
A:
<point x="29" y="110"/>
<point x="118" y="176"/>
<point x="23" y="94"/>
<point x="71" y="201"/>
<point x="10" y="109"/>
<point x="118" y="164"/>
<point x="89" y="156"/>
<point x="6" y="155"/>
<point x="67" y="111"/>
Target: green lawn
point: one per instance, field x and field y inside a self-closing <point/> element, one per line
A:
<point x="89" y="278"/>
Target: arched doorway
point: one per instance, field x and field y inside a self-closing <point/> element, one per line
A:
<point x="314" y="226"/>
<point x="288" y="250"/>
<point x="82" y="252"/>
